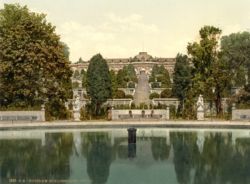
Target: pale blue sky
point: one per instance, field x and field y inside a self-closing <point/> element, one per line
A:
<point x="122" y="28"/>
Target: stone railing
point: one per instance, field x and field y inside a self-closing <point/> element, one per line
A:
<point x="240" y="114"/>
<point x="117" y="102"/>
<point x="135" y="114"/>
<point x="128" y="91"/>
<point x="22" y="115"/>
<point x="166" y="101"/>
<point x="157" y="90"/>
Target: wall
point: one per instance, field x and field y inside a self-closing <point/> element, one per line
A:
<point x="166" y="101"/>
<point x="241" y="114"/>
<point x="115" y="102"/>
<point x="137" y="114"/>
<point x="22" y="115"/>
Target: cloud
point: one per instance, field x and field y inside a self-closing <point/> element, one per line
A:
<point x="116" y="36"/>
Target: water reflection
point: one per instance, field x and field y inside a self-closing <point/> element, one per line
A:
<point x="24" y="159"/>
<point x="98" y="152"/>
<point x="159" y="156"/>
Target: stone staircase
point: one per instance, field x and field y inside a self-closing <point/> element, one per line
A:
<point x="142" y="90"/>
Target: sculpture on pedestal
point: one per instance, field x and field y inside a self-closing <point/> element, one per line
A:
<point x="76" y="108"/>
<point x="200" y="108"/>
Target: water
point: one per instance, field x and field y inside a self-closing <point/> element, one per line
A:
<point x="104" y="156"/>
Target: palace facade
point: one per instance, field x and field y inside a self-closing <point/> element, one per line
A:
<point x="142" y="62"/>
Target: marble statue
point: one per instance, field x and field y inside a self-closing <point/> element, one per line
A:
<point x="76" y="108"/>
<point x="200" y="104"/>
<point x="200" y="108"/>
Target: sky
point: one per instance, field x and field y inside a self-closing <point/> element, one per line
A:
<point x="123" y="28"/>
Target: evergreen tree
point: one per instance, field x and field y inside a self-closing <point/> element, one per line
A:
<point x="125" y="75"/>
<point x="160" y="74"/>
<point x="114" y="82"/>
<point x="99" y="86"/>
<point x="181" y="77"/>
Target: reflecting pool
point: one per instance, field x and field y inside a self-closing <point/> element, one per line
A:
<point x="105" y="156"/>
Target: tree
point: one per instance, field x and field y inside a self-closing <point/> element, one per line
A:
<point x="181" y="78"/>
<point x="99" y="86"/>
<point x="208" y="70"/>
<point x="125" y="75"/>
<point x="113" y="78"/>
<point x="33" y="62"/>
<point x="166" y="93"/>
<point x="235" y="52"/>
<point x="160" y="74"/>
<point x="80" y="60"/>
<point x="119" y="94"/>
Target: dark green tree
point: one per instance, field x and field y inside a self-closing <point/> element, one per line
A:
<point x="160" y="74"/>
<point x="113" y="78"/>
<point x="125" y="75"/>
<point x="34" y="65"/>
<point x="99" y="87"/>
<point x="181" y="78"/>
<point x="98" y="151"/>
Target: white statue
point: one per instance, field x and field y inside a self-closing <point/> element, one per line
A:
<point x="200" y="104"/>
<point x="200" y="108"/>
<point x="76" y="108"/>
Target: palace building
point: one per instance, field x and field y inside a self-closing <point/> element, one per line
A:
<point x="142" y="62"/>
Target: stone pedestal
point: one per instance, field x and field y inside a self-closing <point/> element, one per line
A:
<point x="77" y="115"/>
<point x="200" y="109"/>
<point x="200" y="115"/>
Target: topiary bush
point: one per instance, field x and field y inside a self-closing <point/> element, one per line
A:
<point x="154" y="95"/>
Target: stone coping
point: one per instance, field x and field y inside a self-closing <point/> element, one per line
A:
<point x="214" y="124"/>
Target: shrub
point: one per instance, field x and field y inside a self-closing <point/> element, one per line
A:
<point x="154" y="95"/>
<point x="119" y="94"/>
<point x="172" y="112"/>
<point x="133" y="105"/>
<point x="166" y="93"/>
<point x="131" y="85"/>
<point x="84" y="114"/>
<point x="143" y="106"/>
<point x="129" y="96"/>
<point x="155" y="85"/>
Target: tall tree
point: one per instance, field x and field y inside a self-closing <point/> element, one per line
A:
<point x="181" y="77"/>
<point x="207" y="67"/>
<point x="114" y="82"/>
<point x="33" y="62"/>
<point x="99" y="86"/>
